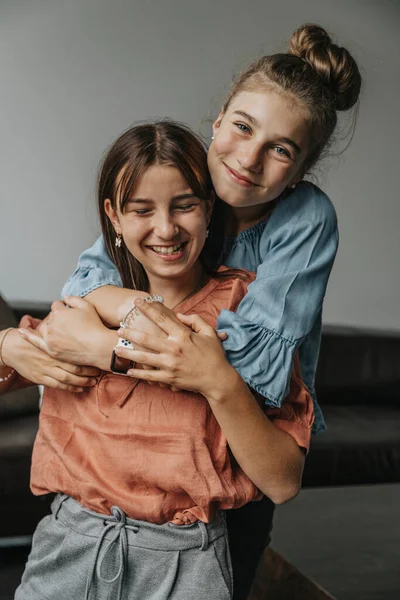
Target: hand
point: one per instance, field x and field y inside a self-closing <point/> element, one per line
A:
<point x="143" y="324"/>
<point x="38" y="367"/>
<point x="188" y="359"/>
<point x="70" y="334"/>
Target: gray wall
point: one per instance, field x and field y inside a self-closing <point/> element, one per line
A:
<point x="75" y="74"/>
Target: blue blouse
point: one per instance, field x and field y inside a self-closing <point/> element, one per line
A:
<point x="292" y="251"/>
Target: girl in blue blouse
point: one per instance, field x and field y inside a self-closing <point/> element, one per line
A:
<point x="277" y="120"/>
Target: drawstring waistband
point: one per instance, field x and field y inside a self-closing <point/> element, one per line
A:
<point x="113" y="534"/>
<point x="120" y="526"/>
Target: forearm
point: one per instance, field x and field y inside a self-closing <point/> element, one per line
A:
<point x="270" y="457"/>
<point x="113" y="303"/>
<point x="10" y="379"/>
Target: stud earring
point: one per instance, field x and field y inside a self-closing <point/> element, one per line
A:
<point x="207" y="232"/>
<point x="293" y="186"/>
<point x="118" y="240"/>
<point x="212" y="137"/>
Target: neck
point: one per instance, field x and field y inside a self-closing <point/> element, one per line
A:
<point x="239" y="219"/>
<point x="174" y="291"/>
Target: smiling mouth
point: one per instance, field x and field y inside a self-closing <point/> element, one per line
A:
<point x="241" y="178"/>
<point x="168" y="250"/>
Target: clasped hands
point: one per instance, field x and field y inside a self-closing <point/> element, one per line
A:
<point x="180" y="351"/>
<point x="186" y="354"/>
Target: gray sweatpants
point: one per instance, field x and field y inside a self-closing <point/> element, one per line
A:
<point x="78" y="554"/>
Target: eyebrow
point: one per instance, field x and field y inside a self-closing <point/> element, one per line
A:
<point x="254" y="122"/>
<point x="289" y="141"/>
<point x="246" y="115"/>
<point x="150" y="201"/>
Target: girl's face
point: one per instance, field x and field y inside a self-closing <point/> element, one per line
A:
<point x="260" y="144"/>
<point x="163" y="224"/>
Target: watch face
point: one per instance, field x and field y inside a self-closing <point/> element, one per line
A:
<point x="125" y="343"/>
<point x="120" y="365"/>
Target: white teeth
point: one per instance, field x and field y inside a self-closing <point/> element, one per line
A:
<point x="167" y="249"/>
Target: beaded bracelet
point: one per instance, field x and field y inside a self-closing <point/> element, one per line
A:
<point x="11" y="373"/>
<point x="135" y="311"/>
<point x="7" y="377"/>
<point x="121" y="369"/>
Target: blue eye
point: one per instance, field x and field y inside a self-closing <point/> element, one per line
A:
<point x="243" y="127"/>
<point x="282" y="151"/>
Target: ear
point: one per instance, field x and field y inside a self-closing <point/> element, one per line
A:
<point x="217" y="122"/>
<point x="112" y="215"/>
<point x="296" y="180"/>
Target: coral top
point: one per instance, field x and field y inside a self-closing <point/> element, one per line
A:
<point x="158" y="455"/>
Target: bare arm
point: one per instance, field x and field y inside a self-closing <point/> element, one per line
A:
<point x="33" y="366"/>
<point x="112" y="303"/>
<point x="75" y="335"/>
<point x="189" y="360"/>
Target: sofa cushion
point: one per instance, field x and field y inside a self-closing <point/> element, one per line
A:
<point x="361" y="445"/>
<point x="358" y="367"/>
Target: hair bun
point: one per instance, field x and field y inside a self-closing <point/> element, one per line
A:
<point x="334" y="65"/>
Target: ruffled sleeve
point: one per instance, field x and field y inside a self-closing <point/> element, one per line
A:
<point x="297" y="249"/>
<point x="95" y="269"/>
<point x="296" y="415"/>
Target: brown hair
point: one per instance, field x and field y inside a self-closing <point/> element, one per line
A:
<point x="164" y="142"/>
<point x="321" y="76"/>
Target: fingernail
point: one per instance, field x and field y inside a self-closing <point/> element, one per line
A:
<point x="21" y="332"/>
<point x="121" y="332"/>
<point x="117" y="351"/>
<point x="138" y="301"/>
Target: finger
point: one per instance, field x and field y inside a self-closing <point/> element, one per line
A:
<point x="145" y="340"/>
<point x="33" y="338"/>
<point x="28" y="321"/>
<point x="139" y="356"/>
<point x="58" y="385"/>
<point x="80" y="370"/>
<point x="68" y="378"/>
<point x="197" y="324"/>
<point x="76" y="302"/>
<point x="57" y="305"/>
<point x="159" y="315"/>
<point x="150" y="376"/>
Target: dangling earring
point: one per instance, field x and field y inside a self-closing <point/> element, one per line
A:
<point x="207" y="232"/>
<point x="118" y="240"/>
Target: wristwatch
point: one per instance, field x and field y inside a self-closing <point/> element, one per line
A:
<point x="120" y="365"/>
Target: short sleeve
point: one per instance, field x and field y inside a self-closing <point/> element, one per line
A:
<point x="296" y="415"/>
<point x="297" y="248"/>
<point x="95" y="269"/>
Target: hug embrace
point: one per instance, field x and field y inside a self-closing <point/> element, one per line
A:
<point x="169" y="444"/>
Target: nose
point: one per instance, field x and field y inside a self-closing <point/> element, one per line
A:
<point x="165" y="226"/>
<point x="250" y="157"/>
